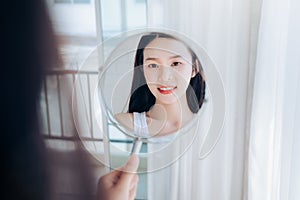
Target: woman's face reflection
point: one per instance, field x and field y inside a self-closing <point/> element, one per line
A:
<point x="167" y="69"/>
<point x="167" y="86"/>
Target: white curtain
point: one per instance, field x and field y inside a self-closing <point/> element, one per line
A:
<point x="225" y="29"/>
<point x="274" y="162"/>
<point x="255" y="45"/>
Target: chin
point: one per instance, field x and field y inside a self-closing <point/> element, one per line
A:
<point x="167" y="100"/>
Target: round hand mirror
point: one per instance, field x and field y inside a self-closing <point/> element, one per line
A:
<point x="154" y="87"/>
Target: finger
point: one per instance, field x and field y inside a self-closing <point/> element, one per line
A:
<point x="129" y="170"/>
<point x="133" y="187"/>
<point x="132" y="164"/>
<point x="132" y="192"/>
<point x="134" y="181"/>
<point x="110" y="179"/>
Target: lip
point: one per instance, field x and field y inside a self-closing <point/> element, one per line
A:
<point x="166" y="89"/>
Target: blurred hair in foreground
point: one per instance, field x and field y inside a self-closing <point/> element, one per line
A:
<point x="28" y="49"/>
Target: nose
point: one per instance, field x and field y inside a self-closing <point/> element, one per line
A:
<point x="166" y="73"/>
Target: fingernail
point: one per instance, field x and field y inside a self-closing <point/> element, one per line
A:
<point x="133" y="162"/>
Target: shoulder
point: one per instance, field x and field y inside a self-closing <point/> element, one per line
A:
<point x="125" y="119"/>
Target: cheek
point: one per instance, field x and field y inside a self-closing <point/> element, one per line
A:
<point x="150" y="81"/>
<point x="185" y="75"/>
<point x="151" y="86"/>
<point x="150" y="77"/>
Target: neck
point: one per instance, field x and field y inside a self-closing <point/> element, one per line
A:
<point x="177" y="113"/>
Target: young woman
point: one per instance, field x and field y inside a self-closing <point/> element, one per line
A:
<point x="168" y="85"/>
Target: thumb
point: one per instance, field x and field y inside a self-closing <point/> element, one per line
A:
<point x="129" y="171"/>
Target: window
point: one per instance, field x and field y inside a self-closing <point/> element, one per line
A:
<point x="73" y="1"/>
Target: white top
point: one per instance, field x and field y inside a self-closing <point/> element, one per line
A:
<point x="140" y="125"/>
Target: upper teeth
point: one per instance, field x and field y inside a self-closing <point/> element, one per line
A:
<point x="166" y="88"/>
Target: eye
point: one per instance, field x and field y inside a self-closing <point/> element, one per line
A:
<point x="153" y="65"/>
<point x="175" y="64"/>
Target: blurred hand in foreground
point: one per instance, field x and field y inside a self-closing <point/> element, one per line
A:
<point x="121" y="183"/>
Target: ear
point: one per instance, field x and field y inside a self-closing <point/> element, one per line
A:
<point x="195" y="69"/>
<point x="193" y="72"/>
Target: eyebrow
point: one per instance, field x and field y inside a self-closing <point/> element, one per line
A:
<point x="152" y="58"/>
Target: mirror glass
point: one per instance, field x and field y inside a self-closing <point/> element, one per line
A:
<point x="154" y="89"/>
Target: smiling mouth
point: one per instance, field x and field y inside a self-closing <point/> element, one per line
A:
<point x="166" y="90"/>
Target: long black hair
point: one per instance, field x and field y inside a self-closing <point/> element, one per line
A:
<point x="141" y="99"/>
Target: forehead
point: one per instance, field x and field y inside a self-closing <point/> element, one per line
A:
<point x="160" y="47"/>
